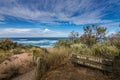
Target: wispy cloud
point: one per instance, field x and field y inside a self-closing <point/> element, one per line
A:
<point x="15" y="30"/>
<point x="113" y="24"/>
<point x="30" y="32"/>
<point x="46" y="11"/>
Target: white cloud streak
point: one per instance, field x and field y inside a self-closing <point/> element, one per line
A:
<point x="31" y="32"/>
<point x="15" y="30"/>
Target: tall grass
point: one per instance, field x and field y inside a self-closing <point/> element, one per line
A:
<point x="52" y="60"/>
<point x="55" y="57"/>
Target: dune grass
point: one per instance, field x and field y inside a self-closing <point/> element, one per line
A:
<point x="51" y="60"/>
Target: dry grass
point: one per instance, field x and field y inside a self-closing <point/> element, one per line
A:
<point x="4" y="55"/>
<point x="53" y="59"/>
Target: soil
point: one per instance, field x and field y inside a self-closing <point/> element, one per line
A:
<point x="66" y="71"/>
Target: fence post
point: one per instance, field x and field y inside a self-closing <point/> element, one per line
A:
<point x="33" y="59"/>
<point x="40" y="69"/>
<point x="38" y="73"/>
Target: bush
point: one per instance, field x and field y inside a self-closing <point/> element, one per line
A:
<point x="38" y="51"/>
<point x="18" y="51"/>
<point x="63" y="43"/>
<point x="78" y="46"/>
<point x="7" y="44"/>
<point x="81" y="49"/>
<point x="115" y="39"/>
<point x="105" y="49"/>
<point x="4" y="55"/>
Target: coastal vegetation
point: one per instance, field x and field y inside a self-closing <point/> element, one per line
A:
<point x="93" y="42"/>
<point x="9" y="48"/>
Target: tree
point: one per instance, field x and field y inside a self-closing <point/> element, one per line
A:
<point x="73" y="35"/>
<point x="93" y="34"/>
<point x="100" y="33"/>
<point x="115" y="39"/>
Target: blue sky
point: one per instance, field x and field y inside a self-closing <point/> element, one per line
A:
<point x="56" y="18"/>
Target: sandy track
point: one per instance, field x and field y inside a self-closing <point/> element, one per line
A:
<point x="26" y="76"/>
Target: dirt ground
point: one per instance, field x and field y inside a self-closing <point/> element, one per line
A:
<point x="69" y="71"/>
<point x="66" y="71"/>
<point x="16" y="65"/>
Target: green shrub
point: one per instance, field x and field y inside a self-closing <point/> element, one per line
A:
<point x="17" y="51"/>
<point x="78" y="46"/>
<point x="81" y="49"/>
<point x="4" y="55"/>
<point x="38" y="51"/>
<point x="105" y="49"/>
<point x="7" y="44"/>
<point x="63" y="43"/>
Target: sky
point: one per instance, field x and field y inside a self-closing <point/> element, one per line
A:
<point x="56" y="18"/>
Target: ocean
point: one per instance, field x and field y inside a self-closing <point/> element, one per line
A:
<point x="40" y="42"/>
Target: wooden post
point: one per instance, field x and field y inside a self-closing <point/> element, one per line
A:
<point x="33" y="59"/>
<point x="38" y="73"/>
<point x="40" y="69"/>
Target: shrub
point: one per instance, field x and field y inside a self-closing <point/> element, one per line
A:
<point x="105" y="49"/>
<point x="63" y="43"/>
<point x="115" y="39"/>
<point x="78" y="46"/>
<point x="18" y="51"/>
<point x="7" y="44"/>
<point x="38" y="51"/>
<point x="81" y="49"/>
<point x="4" y="55"/>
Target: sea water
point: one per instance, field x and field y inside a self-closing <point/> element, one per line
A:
<point x="40" y="42"/>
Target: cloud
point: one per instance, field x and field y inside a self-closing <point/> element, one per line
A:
<point x="46" y="11"/>
<point x="112" y="24"/>
<point x="31" y="32"/>
<point x="15" y="30"/>
<point x="46" y="30"/>
<point x="110" y="33"/>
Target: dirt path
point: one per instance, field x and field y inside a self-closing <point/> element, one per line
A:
<point x="16" y="65"/>
<point x="20" y="60"/>
<point x="67" y="71"/>
<point x="26" y="76"/>
<point x="70" y="72"/>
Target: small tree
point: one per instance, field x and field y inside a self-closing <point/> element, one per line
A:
<point x="92" y="34"/>
<point x="73" y="35"/>
<point x="115" y="39"/>
<point x="100" y="33"/>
